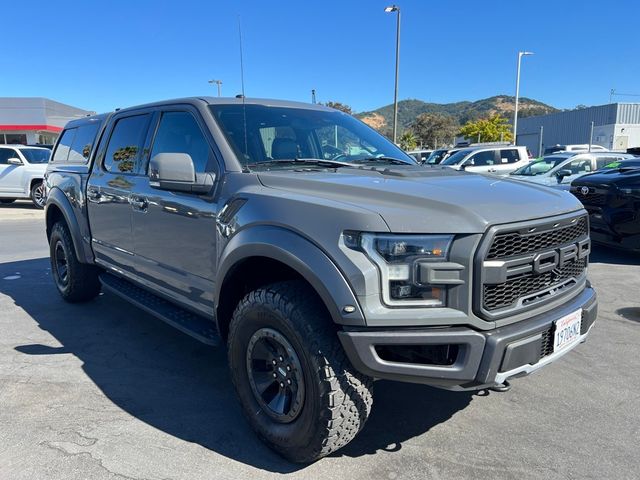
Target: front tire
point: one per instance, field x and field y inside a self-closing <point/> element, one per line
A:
<point x="76" y="282"/>
<point x="297" y="388"/>
<point x="38" y="196"/>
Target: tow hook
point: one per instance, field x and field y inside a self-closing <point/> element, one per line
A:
<point x="503" y="387"/>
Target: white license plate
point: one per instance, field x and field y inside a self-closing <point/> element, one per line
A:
<point x="567" y="330"/>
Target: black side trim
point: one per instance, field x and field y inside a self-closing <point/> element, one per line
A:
<point x="198" y="327"/>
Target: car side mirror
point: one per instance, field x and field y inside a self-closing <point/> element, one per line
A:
<point x="14" y="161"/>
<point x="560" y="174"/>
<point x="176" y="172"/>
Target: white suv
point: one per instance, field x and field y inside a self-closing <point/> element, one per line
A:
<point x="21" y="172"/>
<point x="494" y="160"/>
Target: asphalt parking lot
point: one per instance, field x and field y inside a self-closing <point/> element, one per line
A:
<point x="104" y="391"/>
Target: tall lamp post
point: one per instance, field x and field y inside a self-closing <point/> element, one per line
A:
<point x="515" y="112"/>
<point x="395" y="8"/>
<point x="218" y="83"/>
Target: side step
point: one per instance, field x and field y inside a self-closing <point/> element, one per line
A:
<point x="190" y="323"/>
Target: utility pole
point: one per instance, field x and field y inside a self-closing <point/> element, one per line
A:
<point x="540" y="141"/>
<point x="219" y="84"/>
<point x="313" y="95"/>
<point x="591" y="136"/>
<point x="515" y="112"/>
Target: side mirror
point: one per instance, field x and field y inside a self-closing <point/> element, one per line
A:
<point x="176" y="172"/>
<point x="560" y="174"/>
<point x="14" y="161"/>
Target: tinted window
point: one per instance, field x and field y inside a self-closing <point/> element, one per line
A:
<point x="509" y="156"/>
<point x="124" y="151"/>
<point x="83" y="143"/>
<point x="36" y="155"/>
<point x="481" y="159"/>
<point x="62" y="151"/>
<point x="6" y="154"/>
<point x="179" y="132"/>
<point x="579" y="166"/>
<point x="602" y="161"/>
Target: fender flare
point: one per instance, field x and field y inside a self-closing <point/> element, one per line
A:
<point x="301" y="255"/>
<point x="56" y="197"/>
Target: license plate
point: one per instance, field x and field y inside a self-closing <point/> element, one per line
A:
<point x="567" y="330"/>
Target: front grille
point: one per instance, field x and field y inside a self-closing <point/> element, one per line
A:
<point x="506" y="294"/>
<point x="526" y="289"/>
<point x="591" y="198"/>
<point x="515" y="243"/>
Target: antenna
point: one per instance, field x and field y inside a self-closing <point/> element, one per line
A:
<point x="244" y="106"/>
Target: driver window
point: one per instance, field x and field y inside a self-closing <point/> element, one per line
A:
<point x="580" y="166"/>
<point x="481" y="159"/>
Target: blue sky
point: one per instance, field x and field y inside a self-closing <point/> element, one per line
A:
<point x="115" y="53"/>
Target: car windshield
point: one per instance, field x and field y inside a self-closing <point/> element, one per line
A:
<point x="436" y="156"/>
<point x="285" y="137"/>
<point x="540" y="167"/>
<point x="456" y="157"/>
<point x="36" y="155"/>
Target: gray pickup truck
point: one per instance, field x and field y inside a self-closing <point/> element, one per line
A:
<point x="322" y="255"/>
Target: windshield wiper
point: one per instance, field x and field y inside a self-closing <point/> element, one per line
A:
<point x="395" y="161"/>
<point x="301" y="161"/>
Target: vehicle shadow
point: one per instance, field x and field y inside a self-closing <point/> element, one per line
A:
<point x="182" y="387"/>
<point x="19" y="205"/>
<point x="615" y="256"/>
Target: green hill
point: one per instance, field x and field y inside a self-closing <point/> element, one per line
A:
<point x="408" y="110"/>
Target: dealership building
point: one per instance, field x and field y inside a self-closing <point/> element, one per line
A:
<point x="33" y="120"/>
<point x="616" y="126"/>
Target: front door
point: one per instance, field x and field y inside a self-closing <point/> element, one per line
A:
<point x="10" y="175"/>
<point x="111" y="188"/>
<point x="175" y="235"/>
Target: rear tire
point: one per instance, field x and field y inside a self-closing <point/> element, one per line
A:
<point x="38" y="196"/>
<point x="7" y="201"/>
<point x="76" y="282"/>
<point x="282" y="341"/>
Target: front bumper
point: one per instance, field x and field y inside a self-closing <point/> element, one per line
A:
<point x="483" y="358"/>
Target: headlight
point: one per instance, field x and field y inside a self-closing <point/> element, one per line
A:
<point x="398" y="258"/>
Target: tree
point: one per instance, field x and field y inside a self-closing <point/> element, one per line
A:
<point x="408" y="140"/>
<point x="433" y="129"/>
<point x="343" y="107"/>
<point x="495" y="128"/>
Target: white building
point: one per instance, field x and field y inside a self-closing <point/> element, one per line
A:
<point x="616" y="127"/>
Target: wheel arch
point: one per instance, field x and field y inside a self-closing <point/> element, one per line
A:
<point x="266" y="254"/>
<point x="58" y="208"/>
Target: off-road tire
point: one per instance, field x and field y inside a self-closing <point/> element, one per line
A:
<point x="82" y="283"/>
<point x="7" y="201"/>
<point x="38" y="196"/>
<point x="337" y="398"/>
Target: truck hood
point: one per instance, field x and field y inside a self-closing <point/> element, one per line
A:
<point x="427" y="200"/>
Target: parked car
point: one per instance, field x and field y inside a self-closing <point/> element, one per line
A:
<point x="494" y="160"/>
<point x="574" y="148"/>
<point x="420" y="155"/>
<point x="223" y="218"/>
<point x="21" y="172"/>
<point x="560" y="169"/>
<point x="612" y="199"/>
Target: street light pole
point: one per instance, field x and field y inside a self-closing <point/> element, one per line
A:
<point x="395" y="8"/>
<point x="515" y="112"/>
<point x="218" y="83"/>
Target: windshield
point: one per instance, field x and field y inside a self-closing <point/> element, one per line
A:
<point x="456" y="157"/>
<point x="540" y="167"/>
<point x="274" y="134"/>
<point x="436" y="156"/>
<point x="36" y="155"/>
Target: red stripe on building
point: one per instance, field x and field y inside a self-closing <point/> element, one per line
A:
<point x="49" y="128"/>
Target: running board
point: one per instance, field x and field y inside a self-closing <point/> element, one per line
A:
<point x="190" y="323"/>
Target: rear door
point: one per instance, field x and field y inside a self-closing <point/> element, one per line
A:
<point x="115" y="178"/>
<point x="175" y="232"/>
